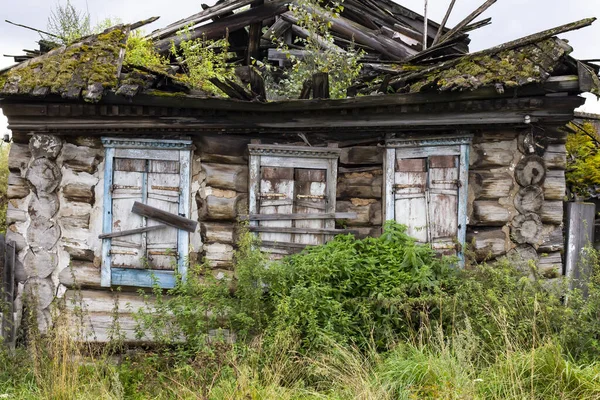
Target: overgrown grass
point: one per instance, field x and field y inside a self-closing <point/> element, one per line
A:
<point x="432" y="332"/>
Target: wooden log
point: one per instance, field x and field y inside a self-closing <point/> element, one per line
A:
<point x="39" y="263"/>
<point x="492" y="154"/>
<point x="40" y="292"/>
<point x="550" y="265"/>
<point x="43" y="233"/>
<point x="527" y="229"/>
<point x="131" y="231"/>
<point x="274" y="217"/>
<point x="552" y="212"/>
<point x="555" y="156"/>
<point x="553" y="239"/>
<point x="45" y="146"/>
<point x="81" y="158"/>
<point x="80" y="275"/>
<point x="226" y="176"/>
<point x="257" y="85"/>
<point x="165" y="217"/>
<point x="360" y="212"/>
<point x="13" y="236"/>
<point x="524" y="257"/>
<point x="274" y="229"/>
<point x="218" y="252"/>
<point x="555" y="185"/>
<point x="223" y="149"/>
<point x="79" y="192"/>
<point x="212" y="232"/>
<point x="44" y="176"/>
<point x="18" y="157"/>
<point x="489" y="213"/>
<point x="17" y="186"/>
<point x="490" y="185"/>
<point x="361" y="155"/>
<point x="45" y="205"/>
<point x="216" y="208"/>
<point x="14" y="214"/>
<point x="532" y="142"/>
<point x="366" y="185"/>
<point x="531" y="170"/>
<point x="487" y="244"/>
<point x="80" y="254"/>
<point x="529" y="199"/>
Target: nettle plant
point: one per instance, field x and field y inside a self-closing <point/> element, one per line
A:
<point x="320" y="52"/>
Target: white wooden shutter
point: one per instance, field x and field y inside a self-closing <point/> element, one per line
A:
<point x="310" y="198"/>
<point x="410" y="190"/>
<point x="276" y="197"/>
<point x="443" y="188"/>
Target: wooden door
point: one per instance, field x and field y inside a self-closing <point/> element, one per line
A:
<point x="128" y="187"/>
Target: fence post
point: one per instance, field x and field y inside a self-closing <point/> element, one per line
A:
<point x="7" y="259"/>
<point x="580" y="234"/>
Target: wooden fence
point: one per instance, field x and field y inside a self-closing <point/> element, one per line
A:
<point x="7" y="292"/>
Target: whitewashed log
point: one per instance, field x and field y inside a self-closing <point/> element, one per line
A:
<point x="368" y="211"/>
<point x="492" y="154"/>
<point x="39" y="263"/>
<point x="361" y="155"/>
<point x="43" y="205"/>
<point x="524" y="257"/>
<point x="79" y="192"/>
<point x="218" y="252"/>
<point x="14" y="236"/>
<point x="18" y="157"/>
<point x="14" y="214"/>
<point x="81" y="158"/>
<point x="93" y="142"/>
<point x="489" y="213"/>
<point x="17" y="186"/>
<point x="71" y="222"/>
<point x="364" y="232"/>
<point x="555" y="185"/>
<point x="527" y="229"/>
<point x="550" y="265"/>
<point x="43" y="233"/>
<point x="218" y="232"/>
<point x="556" y="156"/>
<point x="529" y="199"/>
<point x="553" y="239"/>
<point x="487" y="244"/>
<point x="44" y="176"/>
<point x="102" y="301"/>
<point x="80" y="275"/>
<point x="213" y="208"/>
<point x="531" y="170"/>
<point x="552" y="212"/>
<point x="226" y="176"/>
<point x="40" y="292"/>
<point x="365" y="185"/>
<point x="45" y="146"/>
<point x="223" y="149"/>
<point x="490" y="185"/>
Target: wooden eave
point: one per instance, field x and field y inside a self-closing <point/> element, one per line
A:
<point x="551" y="102"/>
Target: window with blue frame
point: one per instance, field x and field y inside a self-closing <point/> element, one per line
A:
<point x="141" y="251"/>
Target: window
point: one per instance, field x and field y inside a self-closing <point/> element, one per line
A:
<point x="292" y="195"/>
<point x="426" y="189"/>
<point x="157" y="174"/>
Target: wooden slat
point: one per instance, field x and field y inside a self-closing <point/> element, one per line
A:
<point x="283" y="244"/>
<point x="164" y="217"/>
<point x="142" y="278"/>
<point x="260" y="217"/>
<point x="327" y="231"/>
<point x="131" y="232"/>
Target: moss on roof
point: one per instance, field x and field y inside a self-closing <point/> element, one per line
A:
<point x="91" y="65"/>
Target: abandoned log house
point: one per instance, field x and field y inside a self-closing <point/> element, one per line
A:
<point x="120" y="172"/>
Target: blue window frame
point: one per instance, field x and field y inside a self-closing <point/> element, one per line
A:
<point x="153" y="172"/>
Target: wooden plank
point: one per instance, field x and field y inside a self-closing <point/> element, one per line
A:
<point x="388" y="190"/>
<point x="284" y="245"/>
<point x="183" y="237"/>
<point x="142" y="278"/>
<point x="107" y="216"/>
<point x="580" y="233"/>
<point x="310" y="186"/>
<point x="328" y="231"/>
<point x="166" y="218"/>
<point x="467" y="20"/>
<point x="443" y="24"/>
<point x="130" y="232"/>
<point x="260" y="217"/>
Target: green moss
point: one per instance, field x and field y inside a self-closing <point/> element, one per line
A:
<point x="161" y="93"/>
<point x="74" y="67"/>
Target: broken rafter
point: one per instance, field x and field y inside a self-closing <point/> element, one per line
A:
<point x="467" y="20"/>
<point x="34" y="29"/>
<point x="443" y="24"/>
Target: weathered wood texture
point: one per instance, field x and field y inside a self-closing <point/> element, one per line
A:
<point x="580" y="234"/>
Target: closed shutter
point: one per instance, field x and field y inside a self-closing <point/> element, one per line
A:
<point x="292" y="191"/>
<point x="443" y="203"/>
<point x="411" y="197"/>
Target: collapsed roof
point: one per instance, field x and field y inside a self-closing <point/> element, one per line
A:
<point x="400" y="55"/>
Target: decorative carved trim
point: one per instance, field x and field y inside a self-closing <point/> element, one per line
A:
<point x="430" y="141"/>
<point x="158" y="144"/>
<point x="294" y="151"/>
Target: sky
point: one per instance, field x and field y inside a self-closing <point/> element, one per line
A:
<point x="511" y="19"/>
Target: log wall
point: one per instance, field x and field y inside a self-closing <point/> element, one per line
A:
<point x="516" y="190"/>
